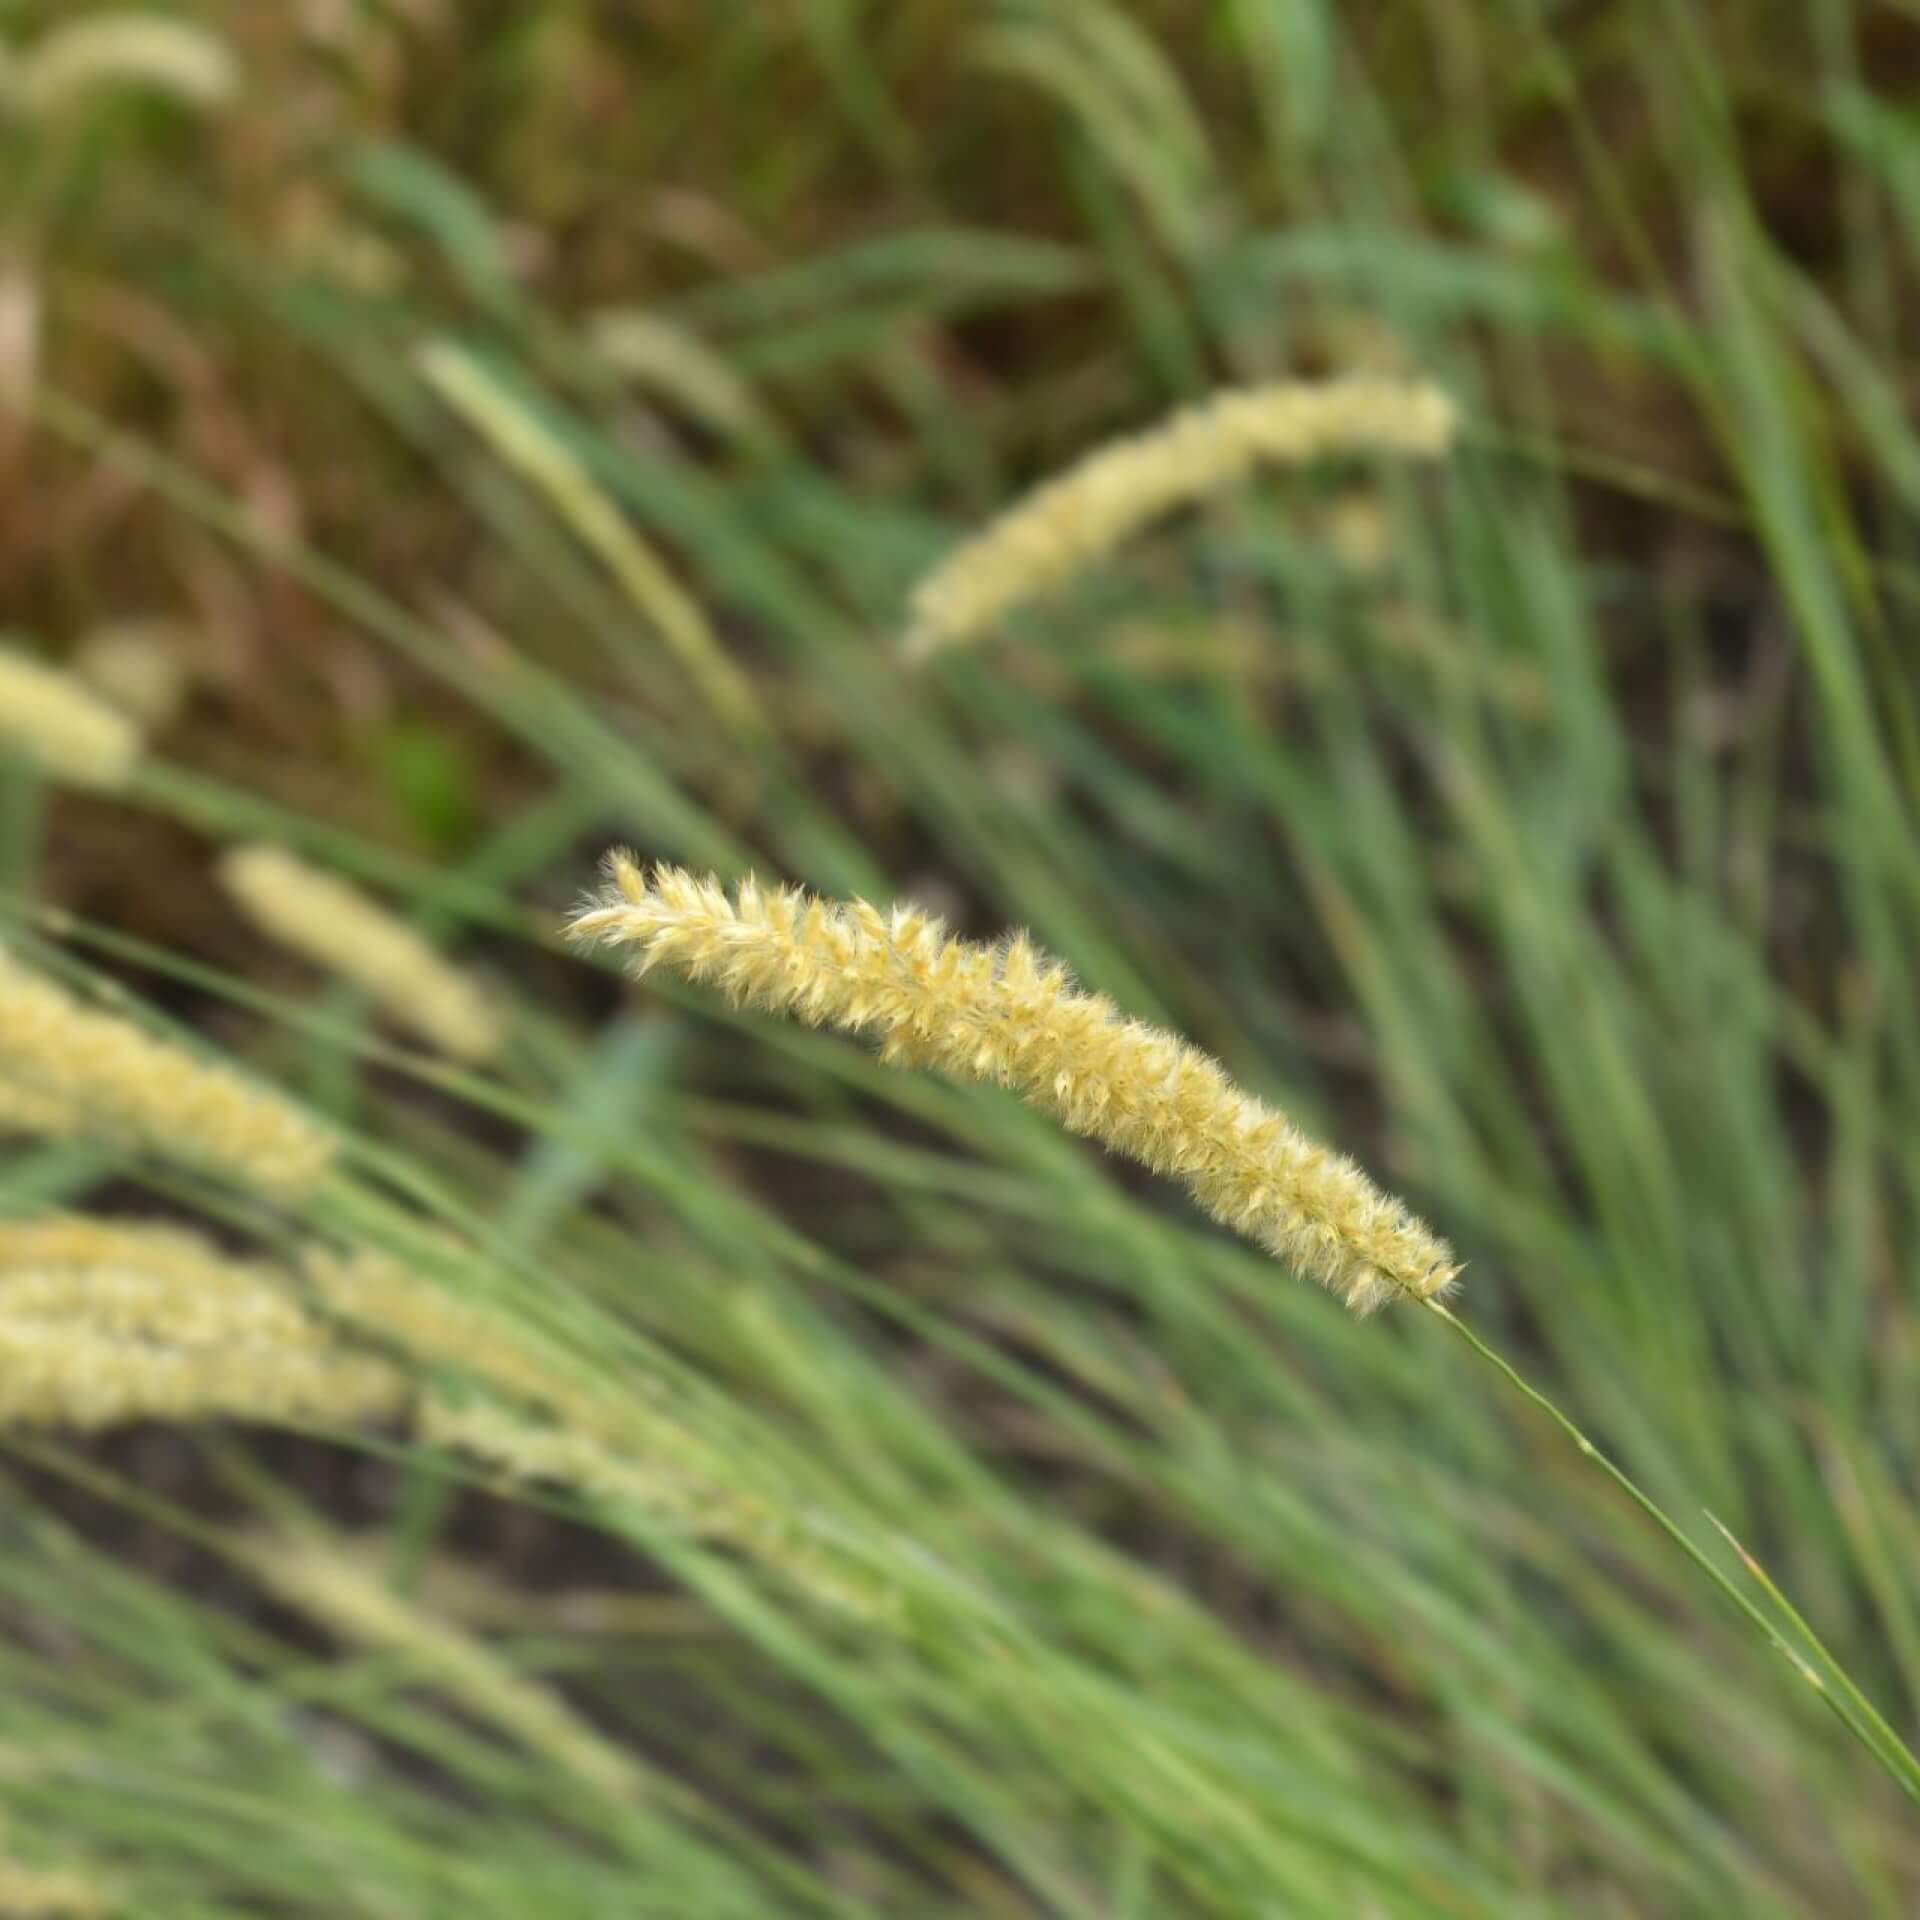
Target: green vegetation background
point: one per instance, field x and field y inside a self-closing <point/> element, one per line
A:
<point x="1543" y="832"/>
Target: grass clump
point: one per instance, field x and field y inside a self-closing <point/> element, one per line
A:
<point x="801" y="1486"/>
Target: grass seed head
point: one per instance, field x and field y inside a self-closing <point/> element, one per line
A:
<point x="112" y="1078"/>
<point x="1086" y="513"/>
<point x="56" y="1372"/>
<point x="112" y="51"/>
<point x="1011" y="1015"/>
<point x="341" y="929"/>
<point x="64" y="727"/>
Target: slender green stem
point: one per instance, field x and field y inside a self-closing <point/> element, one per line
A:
<point x="1870" y="1715"/>
<point x="1851" y="1708"/>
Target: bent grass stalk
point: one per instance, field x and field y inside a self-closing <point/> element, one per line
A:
<point x="550" y="467"/>
<point x="106" y="1322"/>
<point x="1009" y="1015"/>
<point x="117" y="50"/>
<point x="671" y="361"/>
<point x="638" y="1455"/>
<point x="346" y="932"/>
<point x="1093" y="508"/>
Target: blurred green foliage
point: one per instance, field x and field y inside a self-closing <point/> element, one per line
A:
<point x="1558" y="858"/>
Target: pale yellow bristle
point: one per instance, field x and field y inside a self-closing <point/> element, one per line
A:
<point x="103" y="1322"/>
<point x="632" y="1453"/>
<point x="119" y="1081"/>
<point x="145" y="1280"/>
<point x="25" y="1110"/>
<point x="435" y="1326"/>
<point x="1096" y="506"/>
<point x="63" y="727"/>
<point x="108" y="1321"/>
<point x="139" y="667"/>
<point x="1010" y="1015"/>
<point x="115" y="50"/>
<point x="527" y="1449"/>
<point x="341" y="929"/>
<point x="56" y="1372"/>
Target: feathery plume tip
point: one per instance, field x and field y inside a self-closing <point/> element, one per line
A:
<point x="1073" y="520"/>
<point x="1010" y="1015"/>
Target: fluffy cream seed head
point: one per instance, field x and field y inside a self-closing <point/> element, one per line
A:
<point x="340" y="929"/>
<point x="146" y="1280"/>
<point x="139" y="667"/>
<point x="112" y="1078"/>
<point x="25" y="1110"/>
<point x="104" y="1322"/>
<point x="118" y="50"/>
<point x="1009" y="1015"/>
<point x="436" y="1327"/>
<point x="56" y="1372"/>
<point x="64" y="727"/>
<point x="1094" y="507"/>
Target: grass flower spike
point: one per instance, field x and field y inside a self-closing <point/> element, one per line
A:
<point x="1094" y="507"/>
<point x="145" y="1280"/>
<point x="139" y="667"/>
<point x="55" y="1372"/>
<point x="554" y="471"/>
<point x="341" y="929"/>
<point x="104" y="1322"/>
<point x="1007" y="1014"/>
<point x="63" y="726"/>
<point x="126" y="49"/>
<point x="26" y="1110"/>
<point x="105" y="1075"/>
